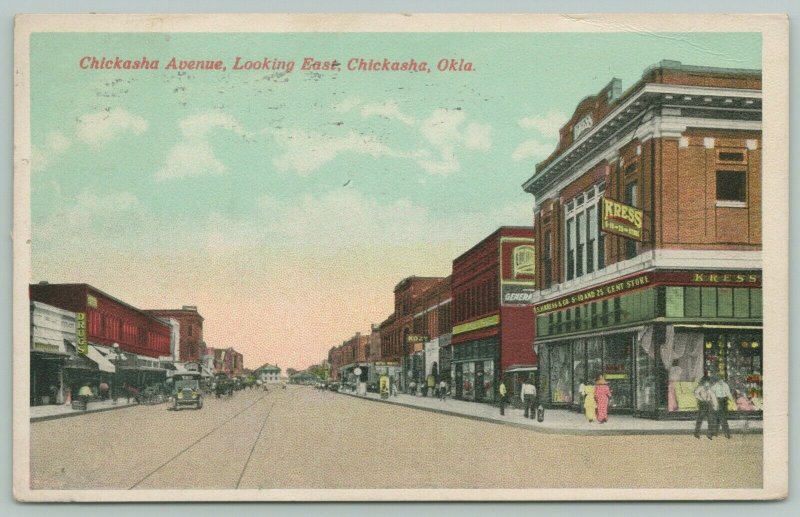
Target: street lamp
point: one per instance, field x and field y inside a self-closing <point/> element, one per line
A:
<point x="116" y="356"/>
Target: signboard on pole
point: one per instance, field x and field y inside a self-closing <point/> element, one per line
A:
<point x="80" y="333"/>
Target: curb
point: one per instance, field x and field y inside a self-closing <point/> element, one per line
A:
<point x="552" y="430"/>
<point x="75" y="413"/>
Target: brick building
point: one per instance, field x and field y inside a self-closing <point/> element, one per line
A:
<point x="433" y="322"/>
<point x="102" y="321"/>
<point x="191" y="343"/>
<point x="354" y="353"/>
<point x="492" y="286"/>
<point x="648" y="239"/>
<point x="398" y="342"/>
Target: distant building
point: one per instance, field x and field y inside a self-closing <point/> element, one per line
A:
<point x="268" y="373"/>
<point x="191" y="331"/>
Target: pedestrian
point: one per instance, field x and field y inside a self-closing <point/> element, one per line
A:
<point x="412" y="387"/>
<point x="742" y="402"/>
<point x="431" y="380"/>
<point x="722" y="392"/>
<point x="602" y="393"/>
<point x="503" y="392"/>
<point x="103" y="389"/>
<point x="393" y="386"/>
<point x="442" y="389"/>
<point x="589" y="404"/>
<point x="528" y="395"/>
<point x="85" y="393"/>
<point x="706" y="407"/>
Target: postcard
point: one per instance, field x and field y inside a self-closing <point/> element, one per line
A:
<point x="371" y="257"/>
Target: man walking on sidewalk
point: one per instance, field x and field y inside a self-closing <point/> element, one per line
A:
<point x="501" y="390"/>
<point x="722" y="392"/>
<point x="528" y="395"/>
<point x="706" y="407"/>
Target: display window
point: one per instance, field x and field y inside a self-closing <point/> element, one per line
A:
<point x="488" y="381"/>
<point x="561" y="374"/>
<point x="617" y="354"/>
<point x="737" y="358"/>
<point x="468" y="381"/>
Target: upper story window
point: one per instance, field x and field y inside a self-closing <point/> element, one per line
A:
<point x="732" y="188"/>
<point x="584" y="244"/>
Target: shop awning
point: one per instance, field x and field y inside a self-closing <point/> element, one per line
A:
<point x="516" y="369"/>
<point x="104" y="364"/>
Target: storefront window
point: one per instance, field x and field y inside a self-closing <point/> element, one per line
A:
<point x="468" y="381"/>
<point x="682" y="354"/>
<point x="594" y="353"/>
<point x="646" y="385"/>
<point x="617" y="369"/>
<point x="488" y="381"/>
<point x="578" y="367"/>
<point x="544" y="372"/>
<point x="737" y="358"/>
<point x="561" y="374"/>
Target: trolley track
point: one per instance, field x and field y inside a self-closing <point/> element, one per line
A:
<point x="196" y="442"/>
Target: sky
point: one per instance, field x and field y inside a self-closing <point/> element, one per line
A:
<point x="287" y="205"/>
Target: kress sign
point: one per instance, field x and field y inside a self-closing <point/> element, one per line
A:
<point x="621" y="219"/>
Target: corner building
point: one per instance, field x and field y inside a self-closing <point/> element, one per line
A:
<point x="648" y="239"/>
<point x="492" y="338"/>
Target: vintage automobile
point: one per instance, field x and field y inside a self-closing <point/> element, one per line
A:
<point x="187" y="391"/>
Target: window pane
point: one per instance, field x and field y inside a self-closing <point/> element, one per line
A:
<point x="692" y="302"/>
<point x="741" y="302"/>
<point x="709" y="302"/>
<point x="755" y="303"/>
<point x="674" y="302"/>
<point x="731" y="186"/>
<point x="725" y="302"/>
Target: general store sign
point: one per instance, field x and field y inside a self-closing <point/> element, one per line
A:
<point x="621" y="219"/>
<point x="602" y="291"/>
<point x="517" y="270"/>
<point x="653" y="278"/>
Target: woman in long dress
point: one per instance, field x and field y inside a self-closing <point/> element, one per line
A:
<point x="602" y="392"/>
<point x="589" y="404"/>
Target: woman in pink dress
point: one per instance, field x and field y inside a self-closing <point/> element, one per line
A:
<point x="602" y="392"/>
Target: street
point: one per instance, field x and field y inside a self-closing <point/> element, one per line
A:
<point x="307" y="438"/>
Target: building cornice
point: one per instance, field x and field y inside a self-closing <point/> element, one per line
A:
<point x="640" y="105"/>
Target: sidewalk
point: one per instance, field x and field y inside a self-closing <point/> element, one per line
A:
<point x="53" y="411"/>
<point x="557" y="421"/>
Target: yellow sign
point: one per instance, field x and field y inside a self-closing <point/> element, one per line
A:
<point x="477" y="324"/>
<point x="80" y="332"/>
<point x="46" y="347"/>
<point x="621" y="219"/>
<point x="384" y="386"/>
<point x="91" y="301"/>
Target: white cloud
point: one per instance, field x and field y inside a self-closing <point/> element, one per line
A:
<point x="346" y="105"/>
<point x="532" y="149"/>
<point x="58" y="142"/>
<point x="194" y="156"/>
<point x="190" y="158"/>
<point x="200" y="125"/>
<point x="548" y="125"/>
<point x="98" y="129"/>
<point x="443" y="131"/>
<point x="55" y="143"/>
<point x="539" y="148"/>
<point x="86" y="212"/>
<point x="306" y="151"/>
<point x="389" y="110"/>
